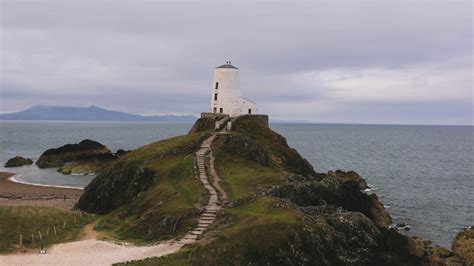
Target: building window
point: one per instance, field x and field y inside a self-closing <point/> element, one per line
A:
<point x="221" y="110"/>
<point x="250" y="111"/>
<point x="217" y="85"/>
<point x="215" y="97"/>
<point x="215" y="110"/>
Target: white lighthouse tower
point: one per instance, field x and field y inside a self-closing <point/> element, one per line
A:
<point x="226" y="95"/>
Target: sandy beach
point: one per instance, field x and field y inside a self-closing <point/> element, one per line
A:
<point x="16" y="194"/>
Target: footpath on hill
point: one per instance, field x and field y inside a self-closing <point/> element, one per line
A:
<point x="96" y="252"/>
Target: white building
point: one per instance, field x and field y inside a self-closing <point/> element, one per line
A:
<point x="226" y="95"/>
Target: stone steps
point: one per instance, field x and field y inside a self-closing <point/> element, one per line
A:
<point x="190" y="236"/>
<point x="198" y="233"/>
<point x="186" y="241"/>
<point x="209" y="215"/>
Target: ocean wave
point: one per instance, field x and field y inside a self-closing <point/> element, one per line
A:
<point x="370" y="189"/>
<point x="76" y="174"/>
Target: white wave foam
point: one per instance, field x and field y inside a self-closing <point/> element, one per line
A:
<point x="14" y="178"/>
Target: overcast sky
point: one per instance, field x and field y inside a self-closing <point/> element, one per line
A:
<point x="366" y="62"/>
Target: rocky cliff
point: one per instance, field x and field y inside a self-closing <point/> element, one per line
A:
<point x="280" y="211"/>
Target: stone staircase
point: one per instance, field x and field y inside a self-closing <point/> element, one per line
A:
<point x="209" y="215"/>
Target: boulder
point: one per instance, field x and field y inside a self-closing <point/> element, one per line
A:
<point x="84" y="151"/>
<point x="81" y="168"/>
<point x="18" y="161"/>
<point x="463" y="245"/>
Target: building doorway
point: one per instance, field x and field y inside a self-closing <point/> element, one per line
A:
<point x="250" y="111"/>
<point x="221" y="110"/>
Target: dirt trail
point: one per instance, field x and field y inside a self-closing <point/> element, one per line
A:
<point x="216" y="179"/>
<point x="89" y="252"/>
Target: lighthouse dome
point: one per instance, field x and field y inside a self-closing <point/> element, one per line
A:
<point x="227" y="65"/>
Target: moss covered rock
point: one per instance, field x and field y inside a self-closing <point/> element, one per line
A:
<point x="463" y="245"/>
<point x="84" y="151"/>
<point x="18" y="161"/>
<point x="82" y="167"/>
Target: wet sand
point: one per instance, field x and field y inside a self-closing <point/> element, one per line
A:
<point x="15" y="194"/>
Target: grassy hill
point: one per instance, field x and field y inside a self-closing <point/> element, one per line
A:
<point x="29" y="221"/>
<point x="281" y="212"/>
<point x="150" y="193"/>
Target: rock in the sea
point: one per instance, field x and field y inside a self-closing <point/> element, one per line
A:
<point x="84" y="151"/>
<point x="81" y="168"/>
<point x="18" y="161"/>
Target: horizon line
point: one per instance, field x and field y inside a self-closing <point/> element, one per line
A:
<point x="271" y="122"/>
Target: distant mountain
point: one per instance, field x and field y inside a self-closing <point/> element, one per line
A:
<point x="92" y="113"/>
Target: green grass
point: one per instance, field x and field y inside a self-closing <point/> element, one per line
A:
<point x="174" y="193"/>
<point x="261" y="229"/>
<point x="30" y="220"/>
<point x="263" y="211"/>
<point x="177" y="144"/>
<point x="242" y="177"/>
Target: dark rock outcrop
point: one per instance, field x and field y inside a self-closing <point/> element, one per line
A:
<point x="84" y="151"/>
<point x="115" y="187"/>
<point x="463" y="245"/>
<point x="341" y="189"/>
<point x="121" y="152"/>
<point x="18" y="161"/>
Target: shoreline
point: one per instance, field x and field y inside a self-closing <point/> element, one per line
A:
<point x="13" y="179"/>
<point x="17" y="193"/>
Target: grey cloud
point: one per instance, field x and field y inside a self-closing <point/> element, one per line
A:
<point x="106" y="52"/>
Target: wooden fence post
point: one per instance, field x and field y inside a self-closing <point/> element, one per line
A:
<point x="42" y="251"/>
<point x="22" y="248"/>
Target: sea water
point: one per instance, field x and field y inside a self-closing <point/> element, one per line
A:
<point x="424" y="175"/>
